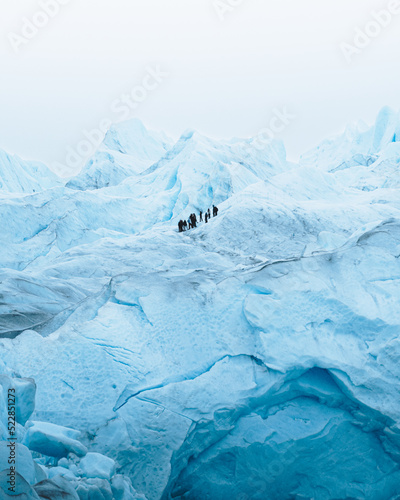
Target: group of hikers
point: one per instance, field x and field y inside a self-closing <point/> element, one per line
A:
<point x="184" y="225"/>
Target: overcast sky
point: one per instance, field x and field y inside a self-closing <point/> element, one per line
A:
<point x="229" y="65"/>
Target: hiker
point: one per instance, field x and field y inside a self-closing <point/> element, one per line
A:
<point x="193" y="218"/>
<point x="209" y="214"/>
<point x="190" y="223"/>
<point x="206" y="217"/>
<point x="215" y="211"/>
<point x="184" y="225"/>
<point x="180" y="226"/>
<point x="201" y="216"/>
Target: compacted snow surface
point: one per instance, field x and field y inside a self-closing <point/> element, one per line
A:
<point x="255" y="357"/>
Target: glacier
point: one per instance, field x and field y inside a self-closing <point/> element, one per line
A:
<point x="255" y="357"/>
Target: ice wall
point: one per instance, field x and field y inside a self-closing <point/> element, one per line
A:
<point x="255" y="357"/>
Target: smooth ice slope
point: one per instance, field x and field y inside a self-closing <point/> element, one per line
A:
<point x="255" y="357"/>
